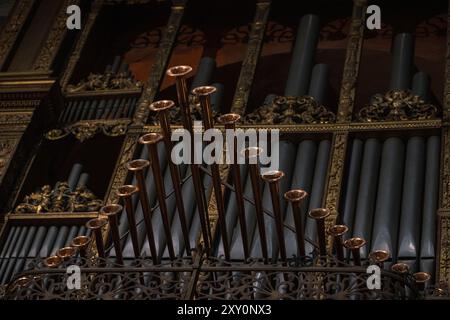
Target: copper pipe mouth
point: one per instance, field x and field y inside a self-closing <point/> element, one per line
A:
<point x="379" y="255"/>
<point x="151" y="138"/>
<point x="421" y="277"/>
<point x="337" y="230"/>
<point x="111" y="210"/>
<point x="53" y="261"/>
<point x="229" y="118"/>
<point x="127" y="190"/>
<point x="96" y="223"/>
<point x="401" y="268"/>
<point x="66" y="253"/>
<point x="80" y="242"/>
<point x="272" y="176"/>
<point x="319" y="213"/>
<point x="295" y="195"/>
<point x="138" y="165"/>
<point x="354" y="243"/>
<point x="204" y="91"/>
<point x="252" y="152"/>
<point x="178" y="71"/>
<point x="161" y="105"/>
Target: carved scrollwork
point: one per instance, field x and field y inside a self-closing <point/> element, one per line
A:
<point x="107" y="81"/>
<point x="6" y="149"/>
<point x="397" y="105"/>
<point x="86" y="130"/>
<point x="59" y="199"/>
<point x="291" y="110"/>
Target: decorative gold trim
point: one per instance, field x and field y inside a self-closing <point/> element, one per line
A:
<point x="12" y="28"/>
<point x="335" y="176"/>
<point x="443" y="267"/>
<point x="86" y="31"/>
<point x="59" y="199"/>
<point x="106" y="82"/>
<point x="291" y="111"/>
<point x="121" y="172"/>
<point x="250" y="62"/>
<point x="7" y="147"/>
<point x="352" y="62"/>
<point x="54" y="39"/>
<point x="446" y="103"/>
<point x="87" y="129"/>
<point x="31" y="218"/>
<point x="397" y="105"/>
<point x="159" y="66"/>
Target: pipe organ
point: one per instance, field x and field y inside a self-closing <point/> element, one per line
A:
<point x="88" y="176"/>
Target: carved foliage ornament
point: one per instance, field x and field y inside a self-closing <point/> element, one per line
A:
<point x="6" y="149"/>
<point x="291" y="110"/>
<point x="86" y="130"/>
<point x="107" y="81"/>
<point x="60" y="199"/>
<point x="397" y="105"/>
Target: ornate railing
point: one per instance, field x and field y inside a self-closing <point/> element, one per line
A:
<point x="201" y="278"/>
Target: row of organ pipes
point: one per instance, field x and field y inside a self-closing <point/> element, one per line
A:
<point x="26" y="243"/>
<point x="107" y="108"/>
<point x="389" y="197"/>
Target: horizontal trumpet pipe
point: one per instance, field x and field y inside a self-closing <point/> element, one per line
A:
<point x="319" y="215"/>
<point x="295" y="197"/>
<point x="162" y="108"/>
<point x="151" y="141"/>
<point x="354" y="245"/>
<point x="111" y="212"/>
<point x="180" y="73"/>
<point x="273" y="178"/>
<point x="96" y="225"/>
<point x="138" y="166"/>
<point x="252" y="154"/>
<point x="204" y="96"/>
<point x="338" y="231"/>
<point x="82" y="244"/>
<point x="125" y="192"/>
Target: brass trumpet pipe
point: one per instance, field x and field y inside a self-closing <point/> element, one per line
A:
<point x="204" y="96"/>
<point x="180" y="72"/>
<point x="229" y="120"/>
<point x="252" y="153"/>
<point x="379" y="257"/>
<point x="337" y="231"/>
<point x="81" y="243"/>
<point x="96" y="225"/>
<point x="420" y="279"/>
<point x="355" y="244"/>
<point x="319" y="215"/>
<point x="138" y="167"/>
<point x="273" y="178"/>
<point x="295" y="197"/>
<point x="125" y="192"/>
<point x="151" y="141"/>
<point x="162" y="108"/>
<point x="111" y="212"/>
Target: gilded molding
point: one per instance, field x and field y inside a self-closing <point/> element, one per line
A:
<point x="352" y="62"/>
<point x="59" y="199"/>
<point x="250" y="62"/>
<point x="446" y="103"/>
<point x="335" y="177"/>
<point x="397" y="105"/>
<point x="7" y="147"/>
<point x="54" y="39"/>
<point x="105" y="82"/>
<point x="159" y="66"/>
<point x="84" y="130"/>
<point x="86" y="30"/>
<point x="444" y="219"/>
<point x="10" y="32"/>
<point x="120" y="173"/>
<point x="291" y="111"/>
<point x="13" y="118"/>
